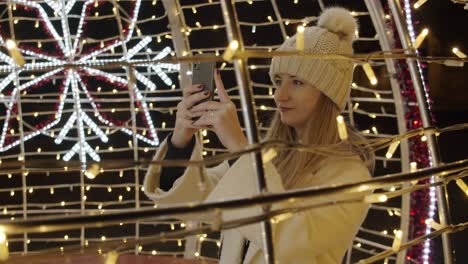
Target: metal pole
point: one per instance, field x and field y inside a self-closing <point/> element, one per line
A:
<point x="250" y="117"/>
<point x="442" y="200"/>
<point x="131" y="91"/>
<point x="378" y="17"/>
<point x="182" y="47"/>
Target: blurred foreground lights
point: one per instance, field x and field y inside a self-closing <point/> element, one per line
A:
<point x="375" y="198"/>
<point x="459" y="54"/>
<point x="14" y="52"/>
<point x="231" y="50"/>
<point x="92" y="171"/>
<point x="462" y="186"/>
<point x="111" y="257"/>
<point x="419" y="3"/>
<point x="433" y="224"/>
<point x="370" y="73"/>
<point x="3" y="245"/>
<point x="397" y="241"/>
<point x="342" y="132"/>
<point x="420" y="38"/>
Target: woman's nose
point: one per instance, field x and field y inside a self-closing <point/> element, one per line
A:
<point x="281" y="93"/>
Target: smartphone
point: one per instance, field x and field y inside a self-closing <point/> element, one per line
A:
<point x="203" y="73"/>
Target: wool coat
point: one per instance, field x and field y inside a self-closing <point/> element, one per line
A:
<point x="321" y="235"/>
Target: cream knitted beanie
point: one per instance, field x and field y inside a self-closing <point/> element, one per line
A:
<point x="334" y="34"/>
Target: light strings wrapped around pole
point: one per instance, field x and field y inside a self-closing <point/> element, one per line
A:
<point x="250" y="118"/>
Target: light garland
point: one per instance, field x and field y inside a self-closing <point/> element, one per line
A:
<point x="146" y="81"/>
<point x="73" y="77"/>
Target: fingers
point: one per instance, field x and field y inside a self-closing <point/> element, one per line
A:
<point x="195" y="98"/>
<point x="206" y="120"/>
<point x="223" y="95"/>
<point x="189" y="90"/>
<point x="207" y="106"/>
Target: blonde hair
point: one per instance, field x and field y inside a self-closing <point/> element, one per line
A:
<point x="321" y="129"/>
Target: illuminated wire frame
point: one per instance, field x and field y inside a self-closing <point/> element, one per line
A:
<point x="72" y="113"/>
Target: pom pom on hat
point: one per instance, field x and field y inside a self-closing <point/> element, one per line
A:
<point x="339" y="21"/>
<point x="334" y="34"/>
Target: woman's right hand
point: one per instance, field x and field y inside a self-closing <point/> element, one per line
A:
<point x="184" y="129"/>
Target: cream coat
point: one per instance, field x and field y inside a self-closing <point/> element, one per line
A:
<point x="319" y="235"/>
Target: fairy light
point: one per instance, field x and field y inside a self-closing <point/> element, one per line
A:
<point x="231" y="50"/>
<point x="462" y="185"/>
<point x="419" y="3"/>
<point x="356" y="105"/>
<point x="459" y="53"/>
<point x="14" y="52"/>
<point x="420" y="38"/>
<point x="3" y="245"/>
<point x="397" y="240"/>
<point x="391" y="149"/>
<point x="111" y="257"/>
<point x="342" y="131"/>
<point x="370" y="73"/>
<point x="92" y="171"/>
<point x="45" y="19"/>
<point x="375" y="198"/>
<point x="300" y="38"/>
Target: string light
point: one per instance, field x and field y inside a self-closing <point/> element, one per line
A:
<point x="92" y="171"/>
<point x="370" y="73"/>
<point x="14" y="52"/>
<point x="419" y="3"/>
<point x="397" y="240"/>
<point x="420" y="38"/>
<point x="111" y="257"/>
<point x="300" y="38"/>
<point x="342" y="131"/>
<point x="231" y="50"/>
<point x="462" y="185"/>
<point x="4" y="253"/>
<point x="391" y="149"/>
<point x="433" y="224"/>
<point x="459" y="54"/>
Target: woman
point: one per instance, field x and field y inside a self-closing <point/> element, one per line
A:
<point x="310" y="94"/>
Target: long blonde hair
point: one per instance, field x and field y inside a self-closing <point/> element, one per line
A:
<point x="321" y="129"/>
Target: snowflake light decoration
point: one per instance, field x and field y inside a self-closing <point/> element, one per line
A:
<point x="68" y="50"/>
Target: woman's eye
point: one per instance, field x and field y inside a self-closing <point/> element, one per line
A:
<point x="297" y="82"/>
<point x="278" y="82"/>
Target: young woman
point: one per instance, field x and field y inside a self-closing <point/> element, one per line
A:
<point x="310" y="93"/>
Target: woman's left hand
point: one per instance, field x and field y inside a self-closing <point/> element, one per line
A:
<point x="221" y="117"/>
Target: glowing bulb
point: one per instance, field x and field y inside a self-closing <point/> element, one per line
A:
<point x="397" y="241"/>
<point x="300" y="38"/>
<point x="419" y="3"/>
<point x="92" y="171"/>
<point x="369" y="73"/>
<point x="391" y="149"/>
<point x="342" y="131"/>
<point x="459" y="54"/>
<point x="420" y="38"/>
<point x="231" y="50"/>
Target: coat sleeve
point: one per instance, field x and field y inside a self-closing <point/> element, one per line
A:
<point x="187" y="187"/>
<point x="312" y="232"/>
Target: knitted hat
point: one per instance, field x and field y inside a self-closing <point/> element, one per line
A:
<point x="334" y="34"/>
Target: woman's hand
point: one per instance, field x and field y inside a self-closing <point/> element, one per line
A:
<point x="184" y="128"/>
<point x="221" y="117"/>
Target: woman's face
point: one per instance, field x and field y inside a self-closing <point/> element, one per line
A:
<point x="295" y="99"/>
